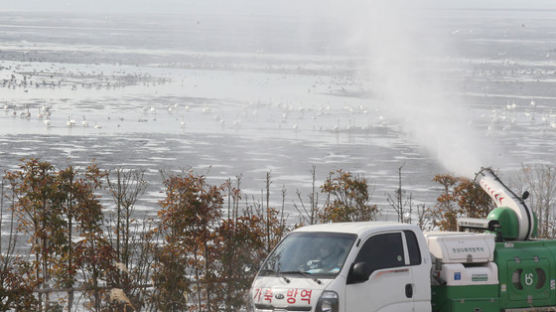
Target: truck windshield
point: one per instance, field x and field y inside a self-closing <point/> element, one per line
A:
<point x="317" y="254"/>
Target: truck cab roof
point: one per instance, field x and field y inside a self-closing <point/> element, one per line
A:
<point x="358" y="228"/>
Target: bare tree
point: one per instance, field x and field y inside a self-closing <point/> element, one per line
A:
<point x="425" y="217"/>
<point x="126" y="186"/>
<point x="309" y="215"/>
<point x="540" y="182"/>
<point x="401" y="204"/>
<point x="134" y="239"/>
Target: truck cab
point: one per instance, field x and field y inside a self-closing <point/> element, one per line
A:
<point x="346" y="267"/>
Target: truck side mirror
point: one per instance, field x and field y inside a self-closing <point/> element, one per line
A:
<point x="359" y="273"/>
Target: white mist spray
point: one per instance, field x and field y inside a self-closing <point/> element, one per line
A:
<point x="409" y="86"/>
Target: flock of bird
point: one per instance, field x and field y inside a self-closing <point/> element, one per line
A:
<point x="511" y="114"/>
<point x="232" y="116"/>
<point x="284" y="115"/>
<point x="20" y="76"/>
<point x="331" y="117"/>
<point x="291" y="116"/>
<point x="44" y="113"/>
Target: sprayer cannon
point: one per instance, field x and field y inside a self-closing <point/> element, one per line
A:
<point x="512" y="219"/>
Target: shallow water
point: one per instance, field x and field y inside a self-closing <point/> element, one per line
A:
<point x="177" y="93"/>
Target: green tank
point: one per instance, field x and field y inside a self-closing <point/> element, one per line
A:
<point x="526" y="275"/>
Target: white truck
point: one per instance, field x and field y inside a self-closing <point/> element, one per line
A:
<point x="335" y="267"/>
<point x="392" y="267"/>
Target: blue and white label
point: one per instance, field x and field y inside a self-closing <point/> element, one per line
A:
<point x="457" y="276"/>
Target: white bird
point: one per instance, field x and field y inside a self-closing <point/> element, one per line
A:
<point x="47" y="122"/>
<point x="71" y="122"/>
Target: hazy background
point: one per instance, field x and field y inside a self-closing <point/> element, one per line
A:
<point x="281" y="7"/>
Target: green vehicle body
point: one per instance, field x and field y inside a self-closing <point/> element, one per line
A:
<point x="465" y="298"/>
<point x="526" y="275"/>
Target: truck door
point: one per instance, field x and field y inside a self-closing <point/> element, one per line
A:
<point x="420" y="269"/>
<point x="390" y="285"/>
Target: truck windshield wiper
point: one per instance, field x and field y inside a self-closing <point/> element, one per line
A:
<point x="305" y="274"/>
<point x="281" y="274"/>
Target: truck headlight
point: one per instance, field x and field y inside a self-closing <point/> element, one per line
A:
<point x="328" y="302"/>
